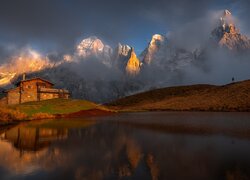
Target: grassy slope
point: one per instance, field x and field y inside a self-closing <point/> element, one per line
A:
<point x="231" y="97"/>
<point x="55" y="106"/>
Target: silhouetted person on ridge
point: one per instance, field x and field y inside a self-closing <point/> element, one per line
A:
<point x="233" y="79"/>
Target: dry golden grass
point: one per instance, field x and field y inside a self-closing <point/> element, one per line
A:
<point x="7" y="114"/>
<point x="231" y="97"/>
<point x="39" y="116"/>
<point x="55" y="106"/>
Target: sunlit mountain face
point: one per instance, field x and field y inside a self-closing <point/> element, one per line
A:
<point x="140" y="50"/>
<point x="228" y="35"/>
<point x="26" y="62"/>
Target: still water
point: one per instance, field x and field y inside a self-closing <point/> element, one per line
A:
<point x="154" y="145"/>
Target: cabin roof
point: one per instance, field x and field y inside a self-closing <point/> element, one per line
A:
<point x="34" y="79"/>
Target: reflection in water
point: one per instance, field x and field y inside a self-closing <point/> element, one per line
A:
<point x="33" y="139"/>
<point x="115" y="150"/>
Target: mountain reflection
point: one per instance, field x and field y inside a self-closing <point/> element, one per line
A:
<point x="112" y="150"/>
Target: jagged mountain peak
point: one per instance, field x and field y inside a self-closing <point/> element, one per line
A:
<point x="94" y="47"/>
<point x="123" y="49"/>
<point x="90" y="40"/>
<point x="121" y="55"/>
<point x="124" y="45"/>
<point x="227" y="35"/>
<point x="157" y="43"/>
<point x="133" y="65"/>
<point x="157" y="39"/>
<point x="126" y="60"/>
<point x="227" y="12"/>
<point x="227" y="22"/>
<point x="90" y="46"/>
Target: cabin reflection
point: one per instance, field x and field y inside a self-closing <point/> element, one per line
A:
<point x="2" y="135"/>
<point x="33" y="139"/>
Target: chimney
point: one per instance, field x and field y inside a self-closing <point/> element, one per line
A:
<point x="24" y="76"/>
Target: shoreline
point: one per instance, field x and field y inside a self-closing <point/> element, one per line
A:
<point x="75" y="115"/>
<point x="101" y="113"/>
<point x="174" y="110"/>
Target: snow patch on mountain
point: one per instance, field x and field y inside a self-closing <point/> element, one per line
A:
<point x="93" y="47"/>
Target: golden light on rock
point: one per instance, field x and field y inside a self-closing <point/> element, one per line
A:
<point x="133" y="65"/>
<point x="25" y="62"/>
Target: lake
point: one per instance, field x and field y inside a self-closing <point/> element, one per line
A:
<point x="150" y="145"/>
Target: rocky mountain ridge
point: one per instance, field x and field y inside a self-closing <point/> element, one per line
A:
<point x="227" y="35"/>
<point x="119" y="72"/>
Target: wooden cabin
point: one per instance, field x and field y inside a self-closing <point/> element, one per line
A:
<point x="35" y="89"/>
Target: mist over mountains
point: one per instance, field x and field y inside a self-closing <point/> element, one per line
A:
<point x="101" y="73"/>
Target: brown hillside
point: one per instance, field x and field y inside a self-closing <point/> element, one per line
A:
<point x="231" y="97"/>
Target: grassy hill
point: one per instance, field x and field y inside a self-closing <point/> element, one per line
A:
<point x="231" y="97"/>
<point x="55" y="106"/>
<point x="50" y="109"/>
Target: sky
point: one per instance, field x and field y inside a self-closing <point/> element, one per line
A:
<point x="57" y="25"/>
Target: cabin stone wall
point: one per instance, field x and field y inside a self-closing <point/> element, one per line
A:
<point x="28" y="91"/>
<point x="46" y="96"/>
<point x="13" y="96"/>
<point x="3" y="101"/>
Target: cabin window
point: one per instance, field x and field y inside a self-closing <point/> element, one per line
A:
<point x="41" y="85"/>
